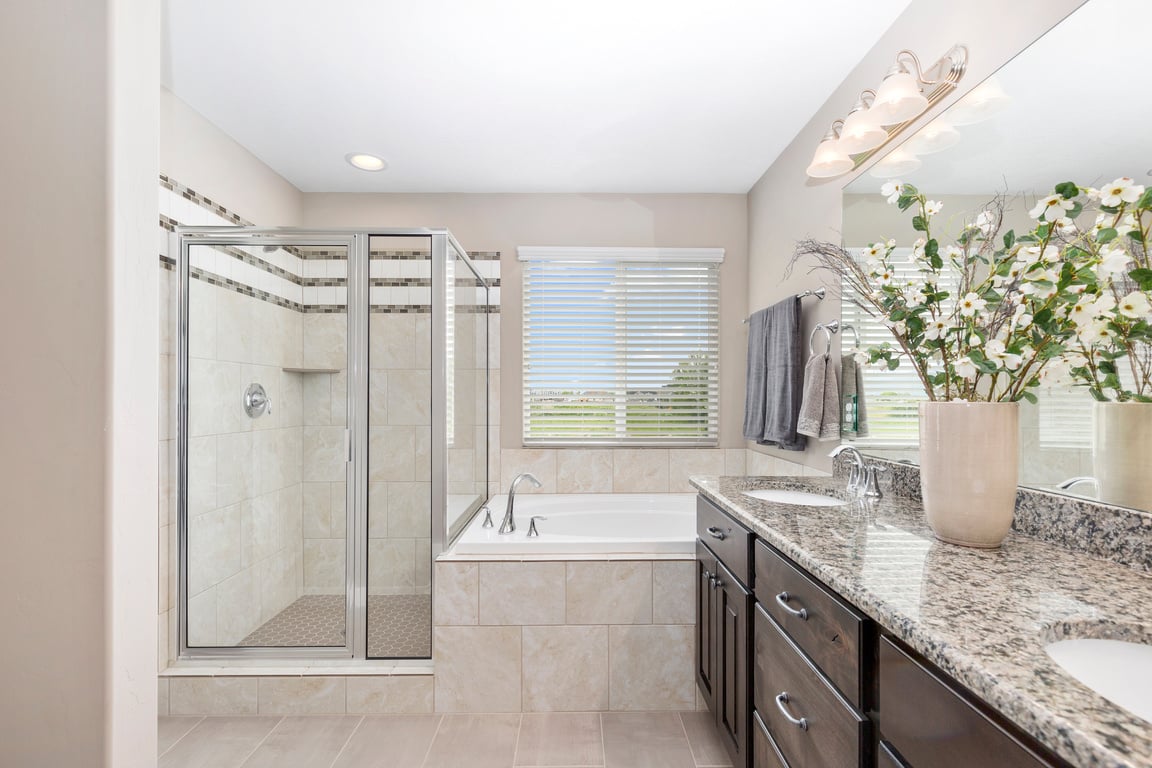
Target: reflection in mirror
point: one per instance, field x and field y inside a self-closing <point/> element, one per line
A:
<point x="1017" y="136"/>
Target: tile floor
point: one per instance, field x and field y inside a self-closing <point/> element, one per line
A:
<point x="568" y="740"/>
<point x="399" y="626"/>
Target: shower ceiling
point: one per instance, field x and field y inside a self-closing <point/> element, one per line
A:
<point x="516" y="95"/>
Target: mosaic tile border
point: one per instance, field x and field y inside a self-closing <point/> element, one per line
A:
<point x="1104" y="531"/>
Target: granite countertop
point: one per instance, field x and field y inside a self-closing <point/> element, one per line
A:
<point x="982" y="616"/>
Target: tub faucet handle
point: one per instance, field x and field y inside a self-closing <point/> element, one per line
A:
<point x="487" y="516"/>
<point x="532" y="532"/>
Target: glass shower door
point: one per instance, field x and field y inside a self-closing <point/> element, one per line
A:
<point x="265" y="562"/>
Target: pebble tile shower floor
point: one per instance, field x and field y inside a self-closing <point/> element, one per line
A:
<point x="573" y="740"/>
<point x="399" y="626"/>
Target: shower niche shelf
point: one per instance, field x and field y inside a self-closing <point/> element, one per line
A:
<point x="311" y="370"/>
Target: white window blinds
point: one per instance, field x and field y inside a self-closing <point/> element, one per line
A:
<point x="620" y="346"/>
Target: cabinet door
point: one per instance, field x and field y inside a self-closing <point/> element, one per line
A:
<point x="733" y="607"/>
<point x="706" y="622"/>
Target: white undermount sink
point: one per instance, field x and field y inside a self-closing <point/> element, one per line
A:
<point x="799" y="498"/>
<point x="1119" y="671"/>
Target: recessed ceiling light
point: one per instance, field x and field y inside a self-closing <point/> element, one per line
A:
<point x="366" y="162"/>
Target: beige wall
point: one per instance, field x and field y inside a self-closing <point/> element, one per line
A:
<point x="78" y="485"/>
<point x="870" y="218"/>
<point x="785" y="206"/>
<point x="204" y="158"/>
<point x="504" y="221"/>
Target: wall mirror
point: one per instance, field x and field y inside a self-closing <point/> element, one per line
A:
<point x="1068" y="108"/>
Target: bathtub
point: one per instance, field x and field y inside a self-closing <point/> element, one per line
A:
<point x="591" y="523"/>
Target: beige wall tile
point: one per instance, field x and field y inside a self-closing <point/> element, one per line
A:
<point x="377" y="510"/>
<point x="422" y="565"/>
<point x="212" y="695"/>
<point x="394" y="694"/>
<point x="302" y="695"/>
<point x="378" y="397"/>
<point x="324" y="454"/>
<point x="673" y="592"/>
<point x="317" y="510"/>
<point x="457" y="598"/>
<point x="639" y="470"/>
<point x="391" y="566"/>
<point x="202" y="618"/>
<point x="409" y="397"/>
<point x="324" y="340"/>
<point x="477" y="669"/>
<point x="392" y="341"/>
<point x="316" y="399"/>
<point x="683" y="463"/>
<point x="201" y="476"/>
<point x="237" y="607"/>
<point x="522" y="593"/>
<point x="291" y="405"/>
<point x="409" y="510"/>
<point x="392" y="454"/>
<point x="565" y="669"/>
<point x="324" y="566"/>
<point x="642" y="680"/>
<point x="617" y="592"/>
<point x="760" y="463"/>
<point x="735" y="461"/>
<point x="279" y="583"/>
<point x="540" y="462"/>
<point x="163" y="536"/>
<point x="584" y="471"/>
<point x="162" y="696"/>
<point x="235" y="480"/>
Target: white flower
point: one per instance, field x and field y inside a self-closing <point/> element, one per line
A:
<point x="1122" y="190"/>
<point x="953" y="252"/>
<point x="1057" y="372"/>
<point x="1104" y="305"/>
<point x="1096" y="332"/>
<point x="1135" y="305"/>
<point x="1114" y="260"/>
<point x="860" y="356"/>
<point x="892" y="190"/>
<point x="898" y="327"/>
<point x="884" y="277"/>
<point x="986" y="223"/>
<point x="875" y="252"/>
<point x="1020" y="317"/>
<point x="1126" y="225"/>
<point x="1051" y="208"/>
<point x="965" y="368"/>
<point x="935" y="330"/>
<point x="933" y="207"/>
<point x="971" y="304"/>
<point x="1033" y="284"/>
<point x="1084" y="310"/>
<point x="1015" y="272"/>
<point x="996" y="351"/>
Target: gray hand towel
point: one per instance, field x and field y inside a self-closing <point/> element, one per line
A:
<point x="820" y="408"/>
<point x="775" y="376"/>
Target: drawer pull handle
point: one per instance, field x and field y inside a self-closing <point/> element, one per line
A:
<point x="781" y="700"/>
<point x="716" y="533"/>
<point x="782" y="601"/>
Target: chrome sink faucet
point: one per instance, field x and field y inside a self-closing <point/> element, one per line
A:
<point x="509" y="523"/>
<point x="862" y="476"/>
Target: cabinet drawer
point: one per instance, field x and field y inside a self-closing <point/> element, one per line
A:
<point x="886" y="757"/>
<point x="731" y="541"/>
<point x="765" y="753"/>
<point x="830" y="734"/>
<point x="932" y="726"/>
<point x="826" y="628"/>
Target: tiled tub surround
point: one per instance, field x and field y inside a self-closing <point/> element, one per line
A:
<point x="982" y="616"/>
<point x="569" y="636"/>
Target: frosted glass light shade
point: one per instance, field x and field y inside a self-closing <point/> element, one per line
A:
<point x="861" y="132"/>
<point x="898" y="162"/>
<point x="898" y="99"/>
<point x="937" y="136"/>
<point x="830" y="160"/>
<point x="979" y="104"/>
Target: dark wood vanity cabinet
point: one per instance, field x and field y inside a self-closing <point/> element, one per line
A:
<point x="723" y="632"/>
<point x="799" y="678"/>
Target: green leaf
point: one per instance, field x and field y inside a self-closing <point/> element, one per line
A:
<point x="905" y="202"/>
<point x="1029" y="396"/>
<point x="1076" y="209"/>
<point x="1106" y="235"/>
<point x="1106" y="366"/>
<point x="893" y="364"/>
<point x="1145" y="200"/>
<point x="1142" y="398"/>
<point x="919" y="224"/>
<point x="931" y="248"/>
<point x="1009" y="238"/>
<point x="1135" y="235"/>
<point x="1067" y="190"/>
<point x="1097" y="394"/>
<point x="1143" y="277"/>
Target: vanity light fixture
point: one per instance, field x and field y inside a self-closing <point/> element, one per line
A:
<point x="979" y="104"/>
<point x="366" y="162"/>
<point x="878" y="116"/>
<point x="937" y="136"/>
<point x="898" y="162"/>
<point x="830" y="159"/>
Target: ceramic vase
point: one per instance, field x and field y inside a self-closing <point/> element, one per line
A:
<point x="969" y="463"/>
<point x="1121" y="437"/>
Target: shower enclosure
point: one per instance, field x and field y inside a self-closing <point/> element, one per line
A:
<point x="333" y="417"/>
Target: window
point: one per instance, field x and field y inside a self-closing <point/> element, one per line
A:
<point x="621" y="346"/>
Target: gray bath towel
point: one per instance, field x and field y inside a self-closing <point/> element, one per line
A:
<point x="820" y="408"/>
<point x="775" y="376"/>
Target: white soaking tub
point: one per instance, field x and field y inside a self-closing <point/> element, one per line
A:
<point x="588" y="523"/>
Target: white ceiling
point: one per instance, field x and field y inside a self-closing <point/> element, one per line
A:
<point x="1079" y="112"/>
<point x="517" y="95"/>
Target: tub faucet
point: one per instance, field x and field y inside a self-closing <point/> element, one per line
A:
<point x="509" y="524"/>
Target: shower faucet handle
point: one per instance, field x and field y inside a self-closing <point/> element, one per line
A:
<point x="532" y="532"/>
